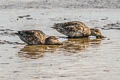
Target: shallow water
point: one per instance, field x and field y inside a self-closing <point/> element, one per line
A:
<point x="77" y="59"/>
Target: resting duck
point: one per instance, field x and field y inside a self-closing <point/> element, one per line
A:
<point x="77" y="29"/>
<point x="37" y="37"/>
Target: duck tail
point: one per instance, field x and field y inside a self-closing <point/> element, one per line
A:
<point x="54" y="26"/>
<point x="16" y="33"/>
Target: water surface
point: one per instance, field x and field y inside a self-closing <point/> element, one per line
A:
<point x="77" y="59"/>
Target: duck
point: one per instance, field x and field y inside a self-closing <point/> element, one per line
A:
<point x="77" y="29"/>
<point x="37" y="37"/>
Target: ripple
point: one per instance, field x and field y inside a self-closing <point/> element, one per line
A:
<point x="112" y="26"/>
<point x="7" y="32"/>
<point x="36" y="51"/>
<point x="8" y="42"/>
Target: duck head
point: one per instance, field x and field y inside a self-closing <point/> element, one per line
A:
<point x="96" y="32"/>
<point x="52" y="40"/>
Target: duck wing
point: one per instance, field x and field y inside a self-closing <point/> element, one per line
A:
<point x="73" y="29"/>
<point x="32" y="36"/>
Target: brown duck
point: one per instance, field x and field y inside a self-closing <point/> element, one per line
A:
<point x="77" y="29"/>
<point x="37" y="37"/>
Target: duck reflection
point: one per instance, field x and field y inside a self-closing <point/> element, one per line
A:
<point x="37" y="51"/>
<point x="70" y="46"/>
<point x="80" y="44"/>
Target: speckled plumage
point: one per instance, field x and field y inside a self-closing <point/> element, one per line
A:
<point x="75" y="29"/>
<point x="37" y="37"/>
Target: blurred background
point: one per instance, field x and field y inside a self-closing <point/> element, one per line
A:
<point x="60" y="3"/>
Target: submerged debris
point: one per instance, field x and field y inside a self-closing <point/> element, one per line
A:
<point x="29" y="18"/>
<point x="23" y="16"/>
<point x="106" y="18"/>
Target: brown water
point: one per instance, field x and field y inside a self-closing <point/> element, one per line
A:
<point x="77" y="59"/>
